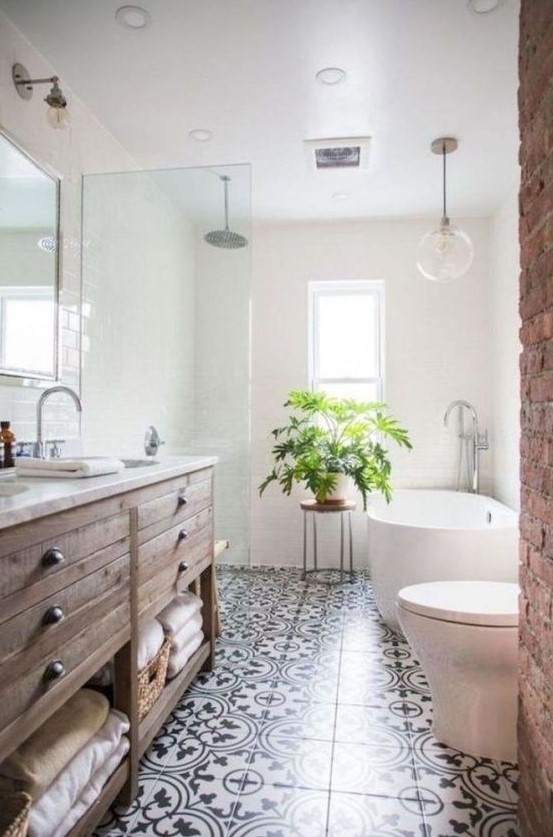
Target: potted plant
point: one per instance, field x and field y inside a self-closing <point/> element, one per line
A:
<point x="326" y="438"/>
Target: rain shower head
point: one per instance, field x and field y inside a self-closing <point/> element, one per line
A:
<point x="226" y="238"/>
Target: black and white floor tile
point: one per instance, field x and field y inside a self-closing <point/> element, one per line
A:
<point x="316" y="722"/>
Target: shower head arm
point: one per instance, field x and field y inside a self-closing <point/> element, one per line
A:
<point x="225" y="180"/>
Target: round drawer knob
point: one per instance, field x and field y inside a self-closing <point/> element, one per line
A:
<point x="53" y="615"/>
<point x="183" y="534"/>
<point x="53" y="557"/>
<point x="181" y="501"/>
<point x="54" y="671"/>
<point x="183" y="566"/>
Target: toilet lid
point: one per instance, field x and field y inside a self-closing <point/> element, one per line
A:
<point x="491" y="603"/>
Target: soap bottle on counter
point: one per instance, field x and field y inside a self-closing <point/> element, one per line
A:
<point x="7" y="438"/>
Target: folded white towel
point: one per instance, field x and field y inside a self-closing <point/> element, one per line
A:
<point x="50" y="809"/>
<point x="178" y="612"/>
<point x="186" y="633"/>
<point x="178" y="661"/>
<point x="150" y="640"/>
<point x="34" y="765"/>
<point x="93" y="466"/>
<point x="92" y="791"/>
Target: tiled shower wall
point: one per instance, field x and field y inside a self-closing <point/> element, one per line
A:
<point x="222" y="382"/>
<point x="138" y="315"/>
<point x="86" y="146"/>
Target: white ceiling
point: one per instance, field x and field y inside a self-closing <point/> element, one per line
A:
<point x="416" y="70"/>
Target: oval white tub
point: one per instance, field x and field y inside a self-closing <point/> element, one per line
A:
<point x="427" y="535"/>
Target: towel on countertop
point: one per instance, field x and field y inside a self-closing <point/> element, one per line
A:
<point x="41" y="757"/>
<point x="150" y="640"/>
<point x="178" y="661"/>
<point x="94" y="466"/>
<point x="91" y="792"/>
<point x="50" y="809"/>
<point x="178" y="612"/>
<point x="186" y="633"/>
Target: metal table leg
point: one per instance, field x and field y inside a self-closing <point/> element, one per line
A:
<point x="304" y="575"/>
<point x="315" y="541"/>
<point x="341" y="546"/>
<point x="350" y="545"/>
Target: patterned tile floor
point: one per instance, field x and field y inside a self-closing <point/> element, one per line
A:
<point x="315" y="723"/>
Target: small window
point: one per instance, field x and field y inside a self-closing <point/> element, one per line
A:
<point x="346" y="339"/>
<point x="27" y="328"/>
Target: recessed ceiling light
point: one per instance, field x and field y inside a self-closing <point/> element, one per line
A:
<point x="133" y="17"/>
<point x="340" y="196"/>
<point x="330" y="75"/>
<point x="201" y="134"/>
<point x="483" y="7"/>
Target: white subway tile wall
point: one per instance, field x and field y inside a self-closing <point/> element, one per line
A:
<point x="86" y="146"/>
<point x="437" y="348"/>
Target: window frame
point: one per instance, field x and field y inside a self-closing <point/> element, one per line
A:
<point x="361" y="287"/>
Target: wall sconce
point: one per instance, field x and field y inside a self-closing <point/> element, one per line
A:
<point x="57" y="113"/>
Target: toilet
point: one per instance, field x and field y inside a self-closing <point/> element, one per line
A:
<point x="465" y="634"/>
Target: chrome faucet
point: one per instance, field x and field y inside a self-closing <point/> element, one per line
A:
<point x="476" y="440"/>
<point x="152" y="441"/>
<point x="39" y="450"/>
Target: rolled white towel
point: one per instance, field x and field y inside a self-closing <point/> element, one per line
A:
<point x="186" y="633"/>
<point x="178" y="612"/>
<point x="50" y="809"/>
<point x="93" y="466"/>
<point x="178" y="661"/>
<point x="92" y="790"/>
<point x="150" y="640"/>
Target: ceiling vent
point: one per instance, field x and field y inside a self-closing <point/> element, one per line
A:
<point x="338" y="153"/>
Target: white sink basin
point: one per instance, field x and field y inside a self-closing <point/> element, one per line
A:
<point x="138" y="463"/>
<point x="9" y="489"/>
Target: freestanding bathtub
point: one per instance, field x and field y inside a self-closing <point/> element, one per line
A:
<point x="427" y="535"/>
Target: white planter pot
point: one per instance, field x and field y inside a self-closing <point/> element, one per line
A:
<point x="341" y="490"/>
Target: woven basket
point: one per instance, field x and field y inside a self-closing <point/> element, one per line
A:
<point x="14" y="814"/>
<point x="151" y="679"/>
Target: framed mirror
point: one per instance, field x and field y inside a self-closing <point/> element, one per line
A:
<point x="29" y="266"/>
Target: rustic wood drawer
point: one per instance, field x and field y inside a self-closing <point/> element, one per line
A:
<point x="40" y="570"/>
<point x="181" y="499"/>
<point x="27" y="686"/>
<point x="40" y="630"/>
<point x="163" y="560"/>
<point x="15" y="538"/>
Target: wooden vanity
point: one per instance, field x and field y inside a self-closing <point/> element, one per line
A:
<point x="80" y="566"/>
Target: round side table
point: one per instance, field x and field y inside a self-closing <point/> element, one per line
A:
<point x="314" y="508"/>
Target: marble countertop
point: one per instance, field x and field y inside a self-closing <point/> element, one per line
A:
<point x="48" y="495"/>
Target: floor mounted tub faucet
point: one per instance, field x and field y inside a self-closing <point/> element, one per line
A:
<point x="475" y="440"/>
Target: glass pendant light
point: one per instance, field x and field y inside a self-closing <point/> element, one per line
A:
<point x="445" y="252"/>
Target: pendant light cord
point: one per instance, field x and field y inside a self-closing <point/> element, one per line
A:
<point x="444" y="180"/>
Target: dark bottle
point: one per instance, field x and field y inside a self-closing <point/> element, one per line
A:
<point x="7" y="437"/>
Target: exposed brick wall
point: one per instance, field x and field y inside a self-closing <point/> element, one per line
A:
<point x="536" y="309"/>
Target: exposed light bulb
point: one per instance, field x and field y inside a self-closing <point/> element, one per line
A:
<point x="445" y="253"/>
<point x="58" y="117"/>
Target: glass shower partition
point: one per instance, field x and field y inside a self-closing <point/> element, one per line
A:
<point x="166" y="324"/>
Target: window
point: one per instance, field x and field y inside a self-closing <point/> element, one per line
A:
<point x="346" y="339"/>
<point x="27" y="329"/>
